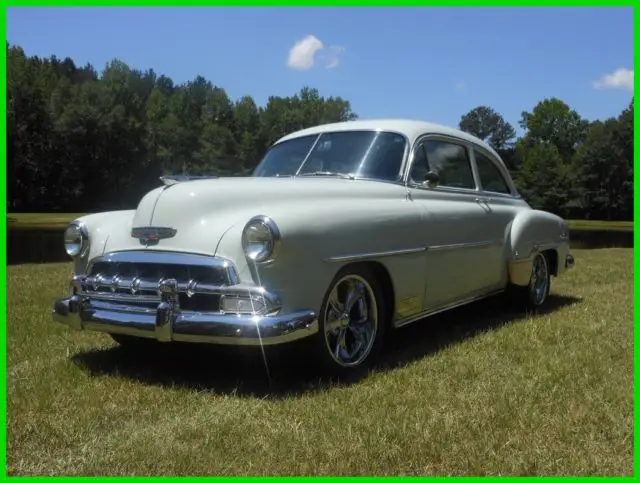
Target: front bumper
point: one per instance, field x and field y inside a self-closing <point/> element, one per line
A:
<point x="167" y="323"/>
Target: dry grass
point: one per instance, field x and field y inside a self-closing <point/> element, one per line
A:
<point x="475" y="391"/>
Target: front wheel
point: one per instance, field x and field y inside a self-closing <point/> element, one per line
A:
<point x="536" y="292"/>
<point x="352" y="322"/>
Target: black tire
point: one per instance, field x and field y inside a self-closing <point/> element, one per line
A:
<point x="322" y="342"/>
<point x="535" y="294"/>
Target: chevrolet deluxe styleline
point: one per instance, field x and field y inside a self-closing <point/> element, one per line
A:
<point x="343" y="232"/>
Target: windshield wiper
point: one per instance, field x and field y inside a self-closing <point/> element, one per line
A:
<point x="328" y="173"/>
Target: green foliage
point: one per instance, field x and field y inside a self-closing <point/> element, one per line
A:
<point x="553" y="122"/>
<point x="82" y="140"/>
<point x="486" y="124"/>
<point x="564" y="163"/>
<point x="573" y="167"/>
<point x="605" y="164"/>
<point x="79" y="140"/>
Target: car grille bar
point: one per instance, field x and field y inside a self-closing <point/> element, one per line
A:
<point x="135" y="278"/>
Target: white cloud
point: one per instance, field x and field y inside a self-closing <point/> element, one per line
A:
<point x="304" y="54"/>
<point x="461" y="86"/>
<point x="620" y="79"/>
<point x="331" y="56"/>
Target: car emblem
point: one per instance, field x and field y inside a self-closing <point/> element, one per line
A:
<point x="151" y="235"/>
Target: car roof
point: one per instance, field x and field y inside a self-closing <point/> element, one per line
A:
<point x="409" y="127"/>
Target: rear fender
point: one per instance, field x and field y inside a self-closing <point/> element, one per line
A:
<point x="532" y="232"/>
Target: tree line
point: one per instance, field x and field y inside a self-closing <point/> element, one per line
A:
<point x="80" y="140"/>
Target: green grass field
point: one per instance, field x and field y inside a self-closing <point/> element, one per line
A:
<point x="479" y="390"/>
<point x="601" y="225"/>
<point x="60" y="221"/>
<point x="50" y="221"/>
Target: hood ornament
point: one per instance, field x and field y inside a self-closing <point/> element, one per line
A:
<point x="151" y="235"/>
<point x="170" y="180"/>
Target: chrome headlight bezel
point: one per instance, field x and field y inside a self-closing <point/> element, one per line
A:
<point x="76" y="239"/>
<point x="261" y="231"/>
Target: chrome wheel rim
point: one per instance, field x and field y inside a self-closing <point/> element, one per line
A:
<point x="351" y="321"/>
<point x="539" y="279"/>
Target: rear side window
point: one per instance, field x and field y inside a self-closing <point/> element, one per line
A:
<point x="490" y="176"/>
<point x="419" y="167"/>
<point x="451" y="162"/>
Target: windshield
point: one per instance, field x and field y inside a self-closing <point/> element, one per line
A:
<point x="363" y="154"/>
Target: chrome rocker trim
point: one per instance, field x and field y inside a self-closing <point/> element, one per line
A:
<point x="166" y="322"/>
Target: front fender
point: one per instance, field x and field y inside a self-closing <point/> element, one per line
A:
<point x="311" y="247"/>
<point x="297" y="277"/>
<point x="100" y="227"/>
<point x="534" y="231"/>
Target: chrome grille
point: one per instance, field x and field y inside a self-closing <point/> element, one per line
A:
<point x="134" y="278"/>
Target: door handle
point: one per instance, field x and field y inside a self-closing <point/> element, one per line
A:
<point x="483" y="200"/>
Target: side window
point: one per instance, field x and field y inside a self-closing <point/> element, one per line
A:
<point x="419" y="167"/>
<point x="490" y="177"/>
<point x="451" y="162"/>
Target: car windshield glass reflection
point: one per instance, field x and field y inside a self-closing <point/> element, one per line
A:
<point x="362" y="154"/>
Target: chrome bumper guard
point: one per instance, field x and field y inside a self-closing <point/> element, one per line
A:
<point x="167" y="322"/>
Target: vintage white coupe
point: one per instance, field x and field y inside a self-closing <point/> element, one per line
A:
<point x="343" y="232"/>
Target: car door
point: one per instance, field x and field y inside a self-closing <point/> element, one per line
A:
<point x="499" y="196"/>
<point x="459" y="248"/>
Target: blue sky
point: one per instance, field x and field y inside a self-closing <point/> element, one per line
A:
<point x="426" y="63"/>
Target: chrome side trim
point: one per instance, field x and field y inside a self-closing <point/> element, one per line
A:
<point x="364" y="256"/>
<point x="429" y="312"/>
<point x="454" y="246"/>
<point x="409" y="251"/>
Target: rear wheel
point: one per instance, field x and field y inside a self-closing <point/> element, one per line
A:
<point x="534" y="295"/>
<point x="352" y="322"/>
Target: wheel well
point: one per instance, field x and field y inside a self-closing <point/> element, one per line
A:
<point x="552" y="257"/>
<point x="382" y="276"/>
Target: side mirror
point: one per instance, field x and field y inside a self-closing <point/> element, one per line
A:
<point x="431" y="180"/>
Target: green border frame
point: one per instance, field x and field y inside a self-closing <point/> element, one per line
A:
<point x="297" y="3"/>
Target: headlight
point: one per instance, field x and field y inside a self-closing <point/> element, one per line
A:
<point x="76" y="239"/>
<point x="260" y="239"/>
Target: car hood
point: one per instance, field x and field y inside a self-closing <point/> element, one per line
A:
<point x="202" y="211"/>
